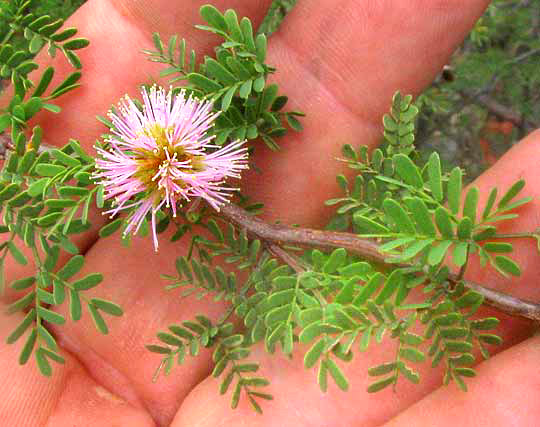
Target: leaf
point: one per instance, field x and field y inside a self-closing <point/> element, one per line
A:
<point x="75" y="44"/>
<point x="415" y="248"/>
<point x="511" y="193"/>
<point x="75" y="310"/>
<point x="88" y="282"/>
<point x="31" y="107"/>
<point x="408" y="171"/>
<point x="368" y="289"/>
<point x="437" y="253"/>
<point x="59" y="203"/>
<point x="59" y="292"/>
<point x="422" y="217"/>
<point x="65" y="159"/>
<point x="50" y="316"/>
<point x="158" y="349"/>
<point x="355" y="269"/>
<point x="490" y="339"/>
<point x="346" y="293"/>
<point x="322" y="376"/>
<point x="393" y="282"/>
<point x="47" y="337"/>
<point x="412" y="354"/>
<point x="471" y="203"/>
<point x="458" y="346"/>
<point x="408" y="373"/>
<point x="247" y="31"/>
<point x="489" y="204"/>
<point x="28" y="347"/>
<point x="434" y="174"/>
<point x="454" y="333"/>
<point x="336" y="259"/>
<point x="260" y="47"/>
<point x="64" y="34"/>
<point x="444" y="222"/>
<point x="397" y="214"/>
<point x="381" y="384"/>
<point x="203" y="82"/>
<point x="245" y="89"/>
<point x="314" y="353"/>
<point x="268" y="96"/>
<point x="485" y="324"/>
<point x="460" y="253"/>
<point x="213" y="17"/>
<point x="337" y="375"/>
<point x="231" y="19"/>
<point x="382" y="369"/>
<point x="464" y="229"/>
<point x="70" y="190"/>
<point x="9" y="191"/>
<point x="22" y="284"/>
<point x="447" y="319"/>
<point x="499" y="247"/>
<point x="236" y="395"/>
<point x="454" y="190"/>
<point x="44" y="82"/>
<point x="107" y="306"/>
<point x="219" y="72"/>
<point x="44" y="169"/>
<point x="507" y="266"/>
<point x="22" y="327"/>
<point x="110" y="228"/>
<point x="43" y="363"/>
<point x="16" y="253"/>
<point x="369" y="225"/>
<point x="98" y="319"/>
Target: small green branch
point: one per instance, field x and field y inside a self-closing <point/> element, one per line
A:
<point x="282" y="234"/>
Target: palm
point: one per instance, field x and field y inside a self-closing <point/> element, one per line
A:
<point x="343" y="61"/>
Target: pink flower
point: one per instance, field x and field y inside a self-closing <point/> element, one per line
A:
<point x="163" y="156"/>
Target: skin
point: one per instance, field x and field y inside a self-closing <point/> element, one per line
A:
<point x="340" y="62"/>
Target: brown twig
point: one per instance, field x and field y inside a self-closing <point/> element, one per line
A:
<point x="286" y="257"/>
<point x="496" y="108"/>
<point x="280" y="234"/>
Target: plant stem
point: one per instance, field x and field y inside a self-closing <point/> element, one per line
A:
<point x="280" y="234"/>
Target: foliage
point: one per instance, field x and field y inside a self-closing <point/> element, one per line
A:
<point x="340" y="304"/>
<point x="486" y="98"/>
<point x="235" y="80"/>
<point x="275" y="15"/>
<point x="45" y="194"/>
<point x="336" y="303"/>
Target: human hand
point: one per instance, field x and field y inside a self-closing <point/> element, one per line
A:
<point x="340" y="63"/>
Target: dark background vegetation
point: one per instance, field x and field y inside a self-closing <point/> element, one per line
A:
<point x="484" y="101"/>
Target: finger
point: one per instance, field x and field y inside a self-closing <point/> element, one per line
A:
<point x="70" y="397"/>
<point x="341" y="64"/>
<point x="114" y="64"/>
<point x="520" y="162"/>
<point x="132" y="280"/>
<point x="505" y="392"/>
<point x="139" y="265"/>
<point x="129" y="24"/>
<point x="112" y="69"/>
<point x="294" y="387"/>
<point x="15" y="271"/>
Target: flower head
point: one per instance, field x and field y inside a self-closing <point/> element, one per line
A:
<point x="163" y="156"/>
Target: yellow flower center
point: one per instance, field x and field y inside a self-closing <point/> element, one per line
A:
<point x="151" y="161"/>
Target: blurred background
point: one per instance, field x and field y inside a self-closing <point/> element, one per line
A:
<point x="482" y="102"/>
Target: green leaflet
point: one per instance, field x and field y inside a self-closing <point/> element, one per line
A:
<point x="454" y="190"/>
<point x="408" y="171"/>
<point x="435" y="177"/>
<point x="422" y="216"/>
<point x="396" y="215"/>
